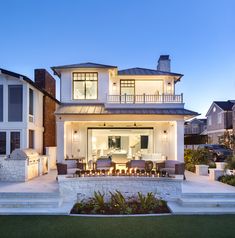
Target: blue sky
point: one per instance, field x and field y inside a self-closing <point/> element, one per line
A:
<point x="198" y="35"/>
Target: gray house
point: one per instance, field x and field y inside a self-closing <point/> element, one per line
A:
<point x="219" y="120"/>
<point x="195" y="126"/>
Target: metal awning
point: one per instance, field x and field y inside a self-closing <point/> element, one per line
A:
<point x="101" y="110"/>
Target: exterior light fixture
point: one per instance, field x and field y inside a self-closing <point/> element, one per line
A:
<point x="114" y="87"/>
<point x="164" y="136"/>
<point x="75" y="136"/>
<point x="169" y="88"/>
<point x="104" y="124"/>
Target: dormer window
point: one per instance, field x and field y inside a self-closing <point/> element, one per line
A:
<point x="85" y="86"/>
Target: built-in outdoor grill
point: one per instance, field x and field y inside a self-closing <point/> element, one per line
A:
<point x="23" y="164"/>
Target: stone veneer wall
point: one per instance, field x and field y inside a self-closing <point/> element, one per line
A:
<point x="13" y="170"/>
<point x="73" y="189"/>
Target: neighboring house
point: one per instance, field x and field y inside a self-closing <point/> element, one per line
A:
<point x="195" y="126"/>
<point x="219" y="120"/>
<point x="124" y="113"/>
<point x="26" y="111"/>
<point x="194" y="132"/>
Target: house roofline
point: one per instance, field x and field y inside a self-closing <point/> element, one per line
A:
<point x="29" y="81"/>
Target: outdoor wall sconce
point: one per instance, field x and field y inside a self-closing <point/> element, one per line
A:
<point x="75" y="136"/>
<point x="169" y="88"/>
<point x="114" y="86"/>
<point x="104" y="124"/>
<point x="164" y="137"/>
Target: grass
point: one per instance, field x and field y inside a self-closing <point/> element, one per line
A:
<point x="162" y="226"/>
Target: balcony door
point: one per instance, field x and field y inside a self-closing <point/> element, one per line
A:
<point x="127" y="91"/>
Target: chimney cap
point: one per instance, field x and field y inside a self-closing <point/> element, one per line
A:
<point x="164" y="57"/>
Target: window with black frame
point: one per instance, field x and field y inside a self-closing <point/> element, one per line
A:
<point x="15" y="140"/>
<point x="31" y="102"/>
<point x="3" y="143"/>
<point x="85" y="85"/>
<point x="15" y="103"/>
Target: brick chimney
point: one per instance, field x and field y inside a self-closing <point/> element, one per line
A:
<point x="45" y="81"/>
<point x="164" y="63"/>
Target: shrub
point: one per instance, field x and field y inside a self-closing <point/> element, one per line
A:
<point x="228" y="179"/>
<point x="230" y="162"/>
<point x="118" y="204"/>
<point x="195" y="157"/>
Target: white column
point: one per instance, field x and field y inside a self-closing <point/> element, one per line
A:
<point x="60" y="138"/>
<point x="179" y="142"/>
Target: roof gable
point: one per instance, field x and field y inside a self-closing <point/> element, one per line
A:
<point x="28" y="80"/>
<point x="223" y="105"/>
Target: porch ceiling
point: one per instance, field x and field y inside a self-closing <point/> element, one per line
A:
<point x="101" y="110"/>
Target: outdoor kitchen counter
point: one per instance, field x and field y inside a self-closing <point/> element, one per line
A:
<point x="73" y="188"/>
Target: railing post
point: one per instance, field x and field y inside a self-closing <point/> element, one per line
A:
<point x="182" y="98"/>
<point x="163" y="98"/>
<point x="144" y="98"/>
<point x="125" y="97"/>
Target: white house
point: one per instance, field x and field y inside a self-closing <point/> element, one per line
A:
<point x="127" y="114"/>
<point x="22" y="107"/>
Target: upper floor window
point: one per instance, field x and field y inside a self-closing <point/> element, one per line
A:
<point x="209" y="120"/>
<point x="85" y="85"/>
<point x="15" y="102"/>
<point x="219" y="118"/>
<point x="31" y="102"/>
<point x="1" y="102"/>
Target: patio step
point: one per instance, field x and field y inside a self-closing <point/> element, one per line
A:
<point x="207" y="202"/>
<point x="208" y="195"/>
<point x="29" y="200"/>
<point x="27" y="195"/>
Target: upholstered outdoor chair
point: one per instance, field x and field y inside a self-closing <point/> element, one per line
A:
<point x="171" y="167"/>
<point x="104" y="163"/>
<point x="62" y="168"/>
<point x="136" y="164"/>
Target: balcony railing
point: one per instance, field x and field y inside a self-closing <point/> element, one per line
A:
<point x="144" y="99"/>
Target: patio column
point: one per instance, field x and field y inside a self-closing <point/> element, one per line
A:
<point x="60" y="138"/>
<point x="179" y="140"/>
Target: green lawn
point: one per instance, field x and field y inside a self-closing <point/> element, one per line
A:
<point x="147" y="227"/>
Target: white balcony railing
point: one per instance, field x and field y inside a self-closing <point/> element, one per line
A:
<point x="144" y="99"/>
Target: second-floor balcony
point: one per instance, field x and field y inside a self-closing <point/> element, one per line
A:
<point x="145" y="99"/>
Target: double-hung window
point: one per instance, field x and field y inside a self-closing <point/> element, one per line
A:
<point x="15" y="140"/>
<point x="85" y="85"/>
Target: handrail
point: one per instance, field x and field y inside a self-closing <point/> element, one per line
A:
<point x="145" y="98"/>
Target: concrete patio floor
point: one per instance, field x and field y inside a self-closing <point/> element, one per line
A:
<point x="46" y="183"/>
<point x="202" y="184"/>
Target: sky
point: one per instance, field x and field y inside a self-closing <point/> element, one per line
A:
<point x="199" y="36"/>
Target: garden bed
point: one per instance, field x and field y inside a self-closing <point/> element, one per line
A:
<point x="117" y="204"/>
<point x="228" y="179"/>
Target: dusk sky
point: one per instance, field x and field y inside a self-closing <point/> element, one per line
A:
<point x="198" y="35"/>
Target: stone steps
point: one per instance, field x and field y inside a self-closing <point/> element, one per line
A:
<point x="207" y="202"/>
<point x="208" y="195"/>
<point x="204" y="203"/>
<point x="27" y="195"/>
<point x="30" y="200"/>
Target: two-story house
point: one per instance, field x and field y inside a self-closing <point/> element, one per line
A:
<point x="129" y="113"/>
<point x="195" y="132"/>
<point x="219" y="120"/>
<point x="26" y="111"/>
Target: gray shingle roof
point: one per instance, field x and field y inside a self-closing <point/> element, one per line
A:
<point x="225" y="105"/>
<point x="143" y="71"/>
<point x="99" y="109"/>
